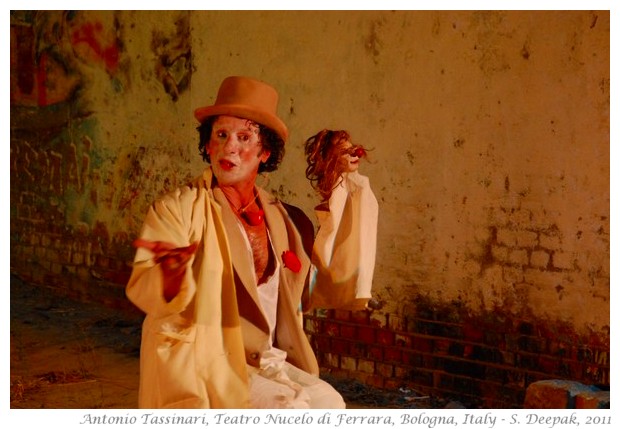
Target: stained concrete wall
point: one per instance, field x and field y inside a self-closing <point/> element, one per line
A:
<point x="490" y="132"/>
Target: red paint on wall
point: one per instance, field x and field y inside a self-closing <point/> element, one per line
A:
<point x="91" y="34"/>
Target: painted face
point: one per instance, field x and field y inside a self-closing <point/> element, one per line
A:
<point x="352" y="156"/>
<point x="235" y="150"/>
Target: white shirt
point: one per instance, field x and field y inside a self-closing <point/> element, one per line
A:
<point x="273" y="358"/>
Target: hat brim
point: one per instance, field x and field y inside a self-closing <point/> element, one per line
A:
<point x="245" y="112"/>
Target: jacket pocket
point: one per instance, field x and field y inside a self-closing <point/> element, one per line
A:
<point x="177" y="385"/>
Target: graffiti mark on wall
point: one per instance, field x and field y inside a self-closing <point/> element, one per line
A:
<point x="49" y="170"/>
<point x="94" y="41"/>
<point x="49" y="50"/>
<point x="54" y="52"/>
<point x="132" y="186"/>
<point x="174" y="65"/>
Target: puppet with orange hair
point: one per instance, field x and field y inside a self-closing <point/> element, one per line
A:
<point x="347" y="213"/>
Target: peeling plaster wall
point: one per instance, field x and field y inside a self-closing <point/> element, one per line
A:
<point x="490" y="133"/>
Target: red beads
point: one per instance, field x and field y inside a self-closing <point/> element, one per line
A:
<point x="253" y="218"/>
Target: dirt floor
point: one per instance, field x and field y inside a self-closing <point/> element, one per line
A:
<point x="75" y="355"/>
<point x="67" y="354"/>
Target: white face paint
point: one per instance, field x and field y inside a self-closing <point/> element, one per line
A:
<point x="235" y="150"/>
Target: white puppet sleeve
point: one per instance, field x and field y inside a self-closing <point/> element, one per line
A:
<point x="344" y="250"/>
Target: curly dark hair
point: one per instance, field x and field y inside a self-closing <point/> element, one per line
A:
<point x="269" y="139"/>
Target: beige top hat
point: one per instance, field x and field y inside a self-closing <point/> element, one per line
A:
<point x="246" y="98"/>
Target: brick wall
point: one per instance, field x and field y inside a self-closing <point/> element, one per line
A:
<point x="81" y="263"/>
<point x="483" y="361"/>
<point x="531" y="248"/>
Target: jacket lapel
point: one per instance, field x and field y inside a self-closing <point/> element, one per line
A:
<point x="281" y="229"/>
<point x="242" y="259"/>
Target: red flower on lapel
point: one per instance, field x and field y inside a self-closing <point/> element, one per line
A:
<point x="291" y="261"/>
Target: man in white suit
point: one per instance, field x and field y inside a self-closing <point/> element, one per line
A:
<point x="221" y="271"/>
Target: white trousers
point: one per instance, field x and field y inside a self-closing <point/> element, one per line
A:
<point x="292" y="388"/>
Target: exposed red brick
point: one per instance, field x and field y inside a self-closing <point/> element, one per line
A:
<point x="472" y="333"/>
<point x="357" y="349"/>
<point x="361" y="317"/>
<point x="367" y="366"/>
<point x="442" y="346"/>
<point x="385" y="337"/>
<point x="332" y="329"/>
<point x="392" y="383"/>
<point x="412" y="358"/>
<point x="385" y="370"/>
<point x="402" y="340"/>
<point x="339" y="347"/>
<point x="548" y="364"/>
<point x="373" y="380"/>
<point x="422" y="344"/>
<point x="366" y="335"/>
<point x="376" y="352"/>
<point x="347" y="331"/>
<point x="344" y="315"/>
<point x="323" y="343"/>
<point x="348" y="363"/>
<point x="393" y="354"/>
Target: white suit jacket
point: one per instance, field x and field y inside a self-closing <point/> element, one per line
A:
<point x="196" y="348"/>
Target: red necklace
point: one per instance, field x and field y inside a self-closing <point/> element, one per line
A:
<point x="253" y="218"/>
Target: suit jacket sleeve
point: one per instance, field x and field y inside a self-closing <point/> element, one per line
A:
<point x="170" y="219"/>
